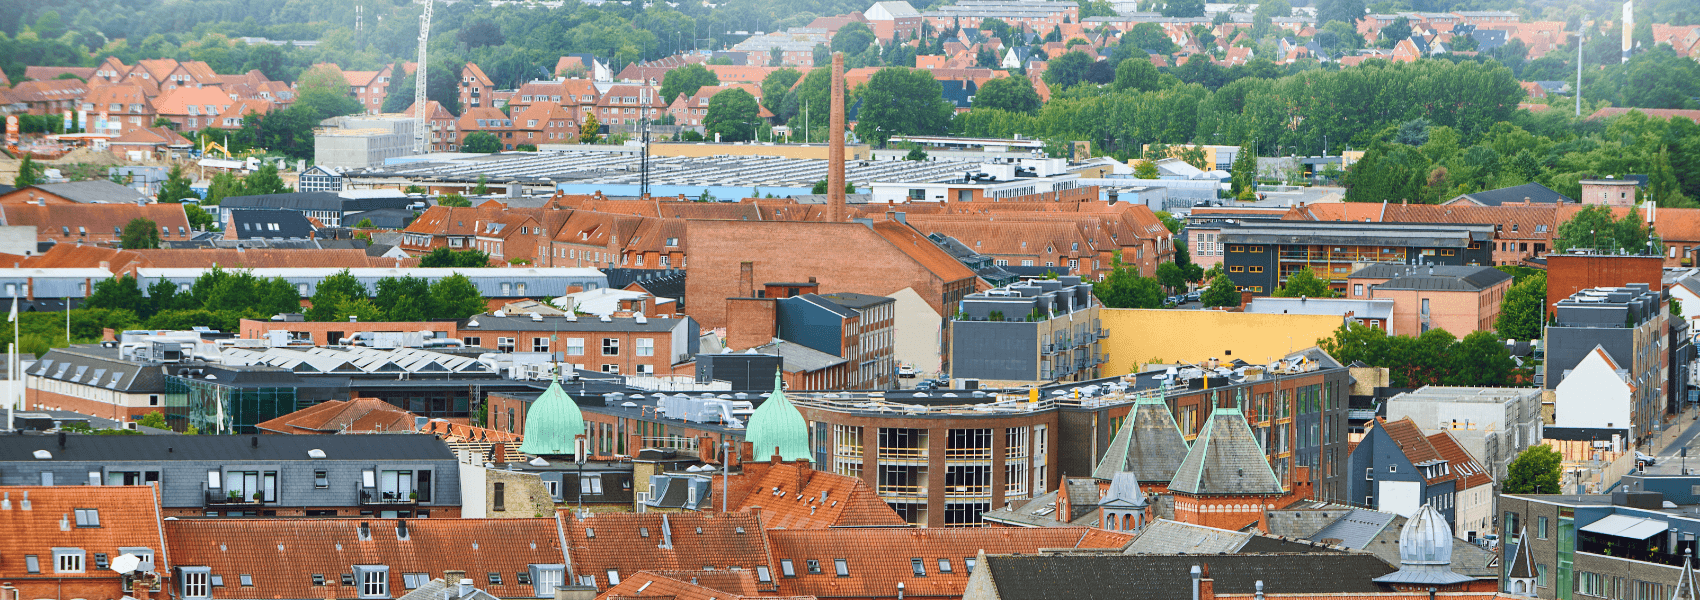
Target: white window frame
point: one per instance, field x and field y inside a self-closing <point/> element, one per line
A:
<point x="374" y="581"/>
<point x="575" y="346"/>
<point x="196" y="582"/>
<point x="645" y="346"/>
<point x="69" y="560"/>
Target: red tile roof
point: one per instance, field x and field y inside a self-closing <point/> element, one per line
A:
<point x="129" y="516"/>
<point x="632" y="542"/>
<point x="1468" y="470"/>
<point x="798" y="497"/>
<point x="98" y="219"/>
<point x="1413" y="443"/>
<point x="922" y="250"/>
<point x="283" y="555"/>
<point x="691" y="585"/>
<point x="342" y="416"/>
<point x="878" y="559"/>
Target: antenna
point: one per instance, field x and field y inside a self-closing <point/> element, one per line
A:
<point x="421" y="129"/>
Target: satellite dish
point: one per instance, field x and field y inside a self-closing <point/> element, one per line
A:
<point x="126" y="563"/>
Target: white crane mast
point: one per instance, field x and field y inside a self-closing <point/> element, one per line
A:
<point x="421" y="127"/>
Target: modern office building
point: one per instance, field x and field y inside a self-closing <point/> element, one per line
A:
<point x="1260" y="255"/>
<point x="1042" y="330"/>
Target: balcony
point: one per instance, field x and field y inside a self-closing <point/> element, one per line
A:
<point x="903" y="453"/>
<point x="223" y="499"/>
<point x="904" y="491"/>
<point x="1103" y="333"/>
<point x="967" y="491"/>
<point x="984" y="454"/>
<point x="373" y="497"/>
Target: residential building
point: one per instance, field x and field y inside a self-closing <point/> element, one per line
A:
<point x="935" y="565"/>
<point x="1568" y="274"/>
<point x="1040" y="330"/>
<point x="1473" y="488"/>
<point x="363" y="142"/>
<point x="1586" y="546"/>
<point x="854" y="327"/>
<point x="1402" y="472"/>
<point x="101" y="224"/>
<point x="392" y="476"/>
<point x="546" y="123"/>
<point x="872" y="353"/>
<point x="626" y="103"/>
<point x="1493" y="424"/>
<point x="192" y="108"/>
<point x="1261" y="255"/>
<point x="893" y="19"/>
<point x="475" y="88"/>
<point x="268" y="224"/>
<point x="119" y="109"/>
<point x="52" y="97"/>
<point x="444" y="138"/>
<point x="349" y="559"/>
<point x="97" y="191"/>
<point x="636" y="344"/>
<point x="1609" y="192"/>
<point x="1526" y="194"/>
<point x="63" y="540"/>
<point x="359" y="415"/>
<point x="326" y="207"/>
<point x="1614" y="338"/>
<point x="1204" y="226"/>
<point x="485" y="119"/>
<point x="1460" y="299"/>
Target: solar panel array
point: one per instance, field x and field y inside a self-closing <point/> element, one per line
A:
<point x="724" y="170"/>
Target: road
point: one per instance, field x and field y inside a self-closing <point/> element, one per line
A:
<point x="1670" y="458"/>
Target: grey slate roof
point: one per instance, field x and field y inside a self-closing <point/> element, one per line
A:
<point x="1167" y="577"/>
<point x="124" y="448"/>
<point x="97" y="191"/>
<point x="1356" y="528"/>
<point x="1174" y="537"/>
<point x="856" y="301"/>
<point x="433" y="590"/>
<point x="797" y="357"/>
<point x="325" y="201"/>
<point x="1433" y="277"/>
<point x="1037" y="512"/>
<point x="383" y="218"/>
<point x="1226" y="459"/>
<point x="1535" y="192"/>
<point x="1149" y="445"/>
<point x="102" y="367"/>
<point x="260" y="223"/>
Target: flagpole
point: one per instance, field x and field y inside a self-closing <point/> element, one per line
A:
<point x="13" y="367"/>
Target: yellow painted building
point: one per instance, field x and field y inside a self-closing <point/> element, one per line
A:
<point x="1143" y="335"/>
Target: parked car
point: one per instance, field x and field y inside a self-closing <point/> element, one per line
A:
<point x="1641" y="457"/>
<point x="924" y="385"/>
<point x="1193" y="297"/>
<point x="905" y="371"/>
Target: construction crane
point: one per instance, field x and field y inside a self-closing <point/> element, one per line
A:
<point x="421" y="127"/>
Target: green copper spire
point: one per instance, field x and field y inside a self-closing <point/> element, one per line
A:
<point x="552" y="422"/>
<point x="777" y="424"/>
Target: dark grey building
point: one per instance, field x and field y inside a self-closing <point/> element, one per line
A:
<point x="385" y="476"/>
<point x="328" y="207"/>
<point x="1628" y="323"/>
<point x="258" y="223"/>
<point x="1039" y="330"/>
<point x="1259" y="256"/>
<point x="851" y="326"/>
<point x="1395" y="469"/>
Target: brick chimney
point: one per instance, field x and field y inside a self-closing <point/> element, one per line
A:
<point x="835" y="141"/>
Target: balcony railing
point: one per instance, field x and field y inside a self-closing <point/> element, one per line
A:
<point x="968" y="454"/>
<point x="223" y="498"/>
<point x="967" y="491"/>
<point x="373" y="496"/>
<point x="903" y="453"/>
<point x="902" y="490"/>
<point x="1103" y="333"/>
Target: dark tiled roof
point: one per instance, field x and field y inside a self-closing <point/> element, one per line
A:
<point x="1534" y="192"/>
<point x="1168" y="577"/>
<point x="115" y="448"/>
<point x="283" y="555"/>
<point x="1149" y="445"/>
<point x="270" y="223"/>
<point x="1225" y="459"/>
<point x="322" y="201"/>
<point x="1433" y="277"/>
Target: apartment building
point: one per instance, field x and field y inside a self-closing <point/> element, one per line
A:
<point x="475" y="88"/>
<point x="1460" y="299"/>
<point x="626" y="103"/>
<point x="390" y="476"/>
<point x="1261" y="255"/>
<point x="1039" y="330"/>
<point x="1493" y="424"/>
<point x="1624" y="330"/>
<point x="48" y="556"/>
<point x="635" y="344"/>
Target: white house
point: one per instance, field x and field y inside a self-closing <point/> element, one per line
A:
<point x="1595" y="394"/>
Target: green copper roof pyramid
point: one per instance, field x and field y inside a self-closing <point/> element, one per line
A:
<point x="552" y="422"/>
<point x="777" y="424"/>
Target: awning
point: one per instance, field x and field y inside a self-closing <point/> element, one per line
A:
<point x="1627" y="527"/>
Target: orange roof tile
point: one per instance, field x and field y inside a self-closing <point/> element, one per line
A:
<point x="1104" y="538"/>
<point x="284" y="555"/>
<point x="1413" y="443"/>
<point x="798" y="497"/>
<point x="911" y="242"/>
<point x="1468" y="470"/>
<point x="129" y="516"/>
<point x="96" y="218"/>
<point x="630" y="542"/>
<point x="877" y="559"/>
<point x="342" y="416"/>
<point x="690" y="585"/>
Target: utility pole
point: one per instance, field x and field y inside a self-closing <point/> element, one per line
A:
<point x="643" y="181"/>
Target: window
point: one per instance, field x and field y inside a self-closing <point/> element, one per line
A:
<point x="498" y="499"/>
<point x="67" y="560"/>
<point x="918" y="567"/>
<point x="610" y="346"/>
<point x="814" y="566"/>
<point x="785" y="568"/>
<point x="374" y="581"/>
<point x="545" y="578"/>
<point x="1541" y="576"/>
<point x="969" y="563"/>
<point x="195" y="582"/>
<point x="841" y="567"/>
<point x="1357" y="289"/>
<point x="32" y="563"/>
<point x="1254" y="269"/>
<point x="645" y="347"/>
<point x="1236" y="269"/>
<point x="504" y="344"/>
<point x="88" y="517"/>
<point x="247" y="580"/>
<point x="494" y="578"/>
<point x="1541" y="528"/>
<point x="540" y="344"/>
<point x="613" y="577"/>
<point x="944" y="565"/>
<point x="472" y="341"/>
<point x="1236" y="248"/>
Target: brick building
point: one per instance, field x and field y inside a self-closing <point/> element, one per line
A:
<point x="61" y="541"/>
<point x="624" y="344"/>
<point x="1571" y="273"/>
<point x="91" y="223"/>
<point x="1459" y="299"/>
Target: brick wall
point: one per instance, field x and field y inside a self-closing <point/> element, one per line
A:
<point x="523" y="495"/>
<point x="749" y="322"/>
<point x="1569" y="273"/>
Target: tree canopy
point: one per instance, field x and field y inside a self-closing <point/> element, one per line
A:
<point x="732" y="115"/>
<point x="1534" y="471"/>
<point x="901" y="101"/>
<point x="685" y="81"/>
<point x="1013" y="94"/>
<point x="1435" y="357"/>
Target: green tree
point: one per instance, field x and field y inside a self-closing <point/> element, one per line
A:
<point x="1340" y="11"/>
<point x="1222" y="292"/>
<point x="589" y="129"/>
<point x="1014" y="94"/>
<point x="1123" y="287"/>
<point x="176" y="187"/>
<point x="405" y="299"/>
<point x="1244" y="171"/>
<point x="820" y="188"/>
<point x="1522" y="313"/>
<point x="686" y="80"/>
<point x="1100" y="8"/>
<point x="29" y="173"/>
<point x="264" y="180"/>
<point x="1480" y="360"/>
<point x="902" y="101"/>
<point x="223" y="185"/>
<point x="1172" y="223"/>
<point x="117" y="293"/>
<point x="1534" y="471"/>
<point x="358" y="309"/>
<point x="332" y="292"/>
<point x="775" y="88"/>
<point x="1067" y="70"/>
<point x="456" y="298"/>
<point x="853" y="38"/>
<point x="481" y="141"/>
<point x="1594" y="227"/>
<point x="1145" y="169"/>
<point x="140" y="234"/>
<point x="732" y="115"/>
<point x="1183" y="8"/>
<point x="916" y="154"/>
<point x="1304" y="282"/>
<point x="443" y="257"/>
<point x="1393" y="33"/>
<point x="1137" y="74"/>
<point x="153" y="419"/>
<point x="481" y="187"/>
<point x="1172" y="276"/>
<point x="453" y="200"/>
<point x="441" y="85"/>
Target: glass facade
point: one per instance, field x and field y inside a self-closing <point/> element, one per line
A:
<point x="212" y="407"/>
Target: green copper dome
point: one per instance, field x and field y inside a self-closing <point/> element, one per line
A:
<point x="552" y="422"/>
<point x="777" y="424"/>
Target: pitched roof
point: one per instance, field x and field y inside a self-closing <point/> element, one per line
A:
<point x="876" y="560"/>
<point x="632" y="542"/>
<point x="1413" y="444"/>
<point x="284" y="555"/>
<point x="155" y="136"/>
<point x="94" y="191"/>
<point x="692" y="585"/>
<point x="1226" y="459"/>
<point x="1149" y="444"/>
<point x="1434" y="277"/>
<point x="1166" y="577"/>
<point x="911" y="242"/>
<point x="1163" y="536"/>
<point x="178" y="101"/>
<point x="1533" y="192"/>
<point x="1466" y="468"/>
<point x="795" y="496"/>
<point x="270" y="223"/>
<point x="128" y="517"/>
<point x="54" y="219"/>
<point x="342" y="416"/>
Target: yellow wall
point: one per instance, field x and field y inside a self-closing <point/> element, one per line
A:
<point x="1138" y="335"/>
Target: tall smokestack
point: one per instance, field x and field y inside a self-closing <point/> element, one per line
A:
<point x="1628" y="28"/>
<point x="835" y="140"/>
